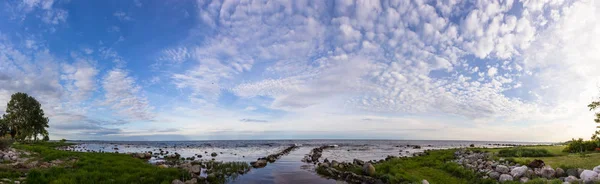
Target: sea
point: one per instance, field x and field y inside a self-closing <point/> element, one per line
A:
<point x="289" y="168"/>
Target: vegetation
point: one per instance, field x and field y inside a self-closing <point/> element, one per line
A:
<point x="435" y="167"/>
<point x="95" y="167"/>
<point x="524" y="152"/>
<point x="557" y="157"/>
<point x="24" y="118"/>
<point x="580" y="145"/>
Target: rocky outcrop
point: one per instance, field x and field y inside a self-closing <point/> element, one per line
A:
<point x="262" y="162"/>
<point x="315" y="154"/>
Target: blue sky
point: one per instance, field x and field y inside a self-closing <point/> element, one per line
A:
<point x="194" y="70"/>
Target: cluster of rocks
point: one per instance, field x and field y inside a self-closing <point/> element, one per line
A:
<point x="315" y="154"/>
<point x="503" y="170"/>
<point x="340" y="171"/>
<point x="203" y="172"/>
<point x="262" y="162"/>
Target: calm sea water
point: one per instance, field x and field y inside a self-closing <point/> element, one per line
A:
<point x="288" y="169"/>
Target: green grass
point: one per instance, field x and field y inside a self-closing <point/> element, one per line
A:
<point x="434" y="167"/>
<point x="96" y="167"/>
<point x="557" y="157"/>
<point x="524" y="152"/>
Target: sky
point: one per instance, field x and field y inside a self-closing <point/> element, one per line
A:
<point x="506" y="70"/>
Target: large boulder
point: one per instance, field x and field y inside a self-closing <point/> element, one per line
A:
<point x="368" y="169"/>
<point x="517" y="172"/>
<point x="505" y="178"/>
<point x="195" y="169"/>
<point x="213" y="154"/>
<point x="596" y="169"/>
<point x="358" y="162"/>
<point x="571" y="179"/>
<point x="548" y="172"/>
<point x="502" y="169"/>
<point x="536" y="164"/>
<point x="560" y="172"/>
<point x="588" y="176"/>
<point x="572" y="172"/>
<point x="494" y="175"/>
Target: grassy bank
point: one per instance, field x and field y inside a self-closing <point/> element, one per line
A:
<point x="78" y="167"/>
<point x="556" y="157"/>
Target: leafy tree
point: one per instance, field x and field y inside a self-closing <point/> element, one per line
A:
<point x="24" y="118"/>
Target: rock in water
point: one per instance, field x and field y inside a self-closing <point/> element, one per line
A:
<point x="213" y="154"/>
<point x="505" y="178"/>
<point x="358" y="162"/>
<point x="517" y="172"/>
<point x="548" y="172"/>
<point x="536" y="164"/>
<point x="368" y="169"/>
<point x="588" y="176"/>
<point x="259" y="164"/>
<point x="502" y="169"/>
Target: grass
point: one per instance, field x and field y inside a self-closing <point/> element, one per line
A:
<point x="524" y="152"/>
<point x="96" y="167"/>
<point x="556" y="157"/>
<point x="434" y="167"/>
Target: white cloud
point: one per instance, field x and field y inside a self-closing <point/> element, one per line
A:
<point x="80" y="79"/>
<point x="123" y="95"/>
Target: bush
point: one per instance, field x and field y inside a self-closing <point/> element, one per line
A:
<point x="5" y="143"/>
<point x="524" y="152"/>
<point x="63" y="140"/>
<point x="580" y="145"/>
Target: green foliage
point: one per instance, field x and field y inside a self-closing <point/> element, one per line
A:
<point x="579" y="145"/>
<point x="524" y="152"/>
<point x="96" y="167"/>
<point x="24" y="118"/>
<point x="435" y="167"/>
<point x="63" y="140"/>
<point x="5" y="143"/>
<point x="46" y="138"/>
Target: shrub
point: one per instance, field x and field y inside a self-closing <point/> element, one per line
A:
<point x="524" y="152"/>
<point x="579" y="145"/>
<point x="63" y="140"/>
<point x="5" y="143"/>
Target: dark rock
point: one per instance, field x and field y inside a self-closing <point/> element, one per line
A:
<point x="213" y="154"/>
<point x="536" y="164"/>
<point x="572" y="172"/>
<point x="259" y="163"/>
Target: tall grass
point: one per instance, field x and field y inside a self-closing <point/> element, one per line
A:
<point x="96" y="167"/>
<point x="524" y="152"/>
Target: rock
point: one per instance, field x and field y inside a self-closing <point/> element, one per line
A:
<point x="358" y="162"/>
<point x="597" y="169"/>
<point x="502" y="169"/>
<point x="494" y="175"/>
<point x="505" y="178"/>
<point x="579" y="171"/>
<point x="195" y="169"/>
<point x="6" y="157"/>
<point x="524" y="180"/>
<point x="571" y="179"/>
<point x="572" y="172"/>
<point x="560" y="172"/>
<point x="176" y="181"/>
<point x="163" y="166"/>
<point x="259" y="164"/>
<point x="424" y="182"/>
<point x="517" y="172"/>
<point x="536" y="164"/>
<point x="368" y="169"/>
<point x="192" y="181"/>
<point x="213" y="154"/>
<point x="548" y="172"/>
<point x="588" y="176"/>
<point x="335" y="164"/>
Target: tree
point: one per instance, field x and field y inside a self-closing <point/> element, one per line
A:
<point x="24" y="118"/>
